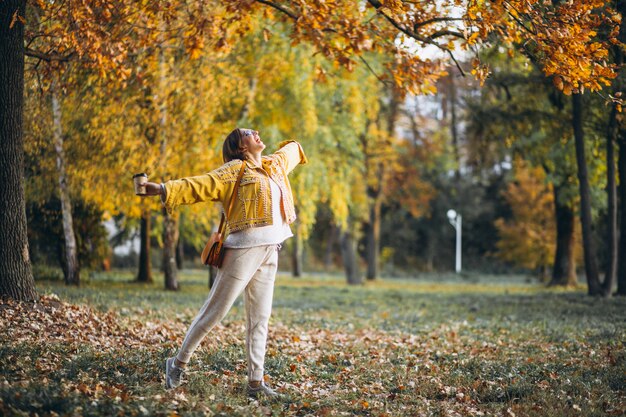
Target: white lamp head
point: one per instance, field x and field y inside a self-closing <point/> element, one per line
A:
<point x="451" y="214"/>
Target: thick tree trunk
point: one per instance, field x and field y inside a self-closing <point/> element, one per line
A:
<point x="591" y="265"/>
<point x="145" y="268"/>
<point x="72" y="269"/>
<point x="372" y="248"/>
<point x="296" y="256"/>
<point x="170" y="238"/>
<point x="350" y="263"/>
<point x="611" y="189"/>
<point x="16" y="277"/>
<point x="564" y="272"/>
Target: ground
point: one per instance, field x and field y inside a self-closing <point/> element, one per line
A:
<point x="427" y="346"/>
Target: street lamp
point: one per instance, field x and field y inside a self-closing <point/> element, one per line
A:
<point x="455" y="221"/>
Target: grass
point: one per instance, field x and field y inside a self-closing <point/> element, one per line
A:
<point x="436" y="345"/>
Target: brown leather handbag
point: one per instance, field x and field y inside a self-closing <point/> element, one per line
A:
<point x="213" y="252"/>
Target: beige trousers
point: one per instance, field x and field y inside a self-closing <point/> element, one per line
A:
<point x="251" y="270"/>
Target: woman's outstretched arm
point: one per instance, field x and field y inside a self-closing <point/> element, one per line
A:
<point x="290" y="155"/>
<point x="189" y="190"/>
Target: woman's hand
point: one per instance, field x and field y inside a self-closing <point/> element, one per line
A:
<point x="152" y="188"/>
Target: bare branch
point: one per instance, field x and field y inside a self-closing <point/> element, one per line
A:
<point x="427" y="40"/>
<point x="435" y="20"/>
<point x="385" y="82"/>
<point x="456" y="63"/>
<point x="49" y="57"/>
<point x="446" y="32"/>
<point x="280" y="8"/>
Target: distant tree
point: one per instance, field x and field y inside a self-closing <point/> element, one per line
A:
<point x="528" y="238"/>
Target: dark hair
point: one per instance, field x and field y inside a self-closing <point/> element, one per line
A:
<point x="232" y="148"/>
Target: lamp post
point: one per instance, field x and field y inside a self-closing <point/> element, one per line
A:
<point x="455" y="220"/>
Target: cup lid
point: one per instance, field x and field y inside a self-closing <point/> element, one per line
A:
<point x="143" y="174"/>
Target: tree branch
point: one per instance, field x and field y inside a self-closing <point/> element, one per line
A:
<point x="434" y="20"/>
<point x="280" y="8"/>
<point x="446" y="32"/>
<point x="48" y="56"/>
<point x="385" y="82"/>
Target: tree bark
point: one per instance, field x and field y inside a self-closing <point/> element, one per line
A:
<point x="16" y="277"/>
<point x="296" y="256"/>
<point x="145" y="268"/>
<point x="170" y="237"/>
<point x="350" y="263"/>
<point x="564" y="272"/>
<point x="621" y="140"/>
<point x="591" y="265"/>
<point x="72" y="268"/>
<point x="611" y="189"/>
<point x="453" y="126"/>
<point x="180" y="253"/>
<point x="621" y="270"/>
<point x="372" y="248"/>
<point x="170" y="223"/>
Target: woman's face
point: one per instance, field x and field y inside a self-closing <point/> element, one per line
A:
<point x="251" y="141"/>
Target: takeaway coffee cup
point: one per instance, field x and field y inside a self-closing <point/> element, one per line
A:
<point x="140" y="181"/>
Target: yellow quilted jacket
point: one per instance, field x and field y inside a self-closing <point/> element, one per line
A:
<point x="253" y="204"/>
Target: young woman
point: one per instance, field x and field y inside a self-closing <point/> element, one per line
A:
<point x="258" y="224"/>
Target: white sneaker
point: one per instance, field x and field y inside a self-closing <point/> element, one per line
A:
<point x="173" y="374"/>
<point x="262" y="390"/>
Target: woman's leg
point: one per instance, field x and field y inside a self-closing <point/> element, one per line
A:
<point x="238" y="267"/>
<point x="258" y="304"/>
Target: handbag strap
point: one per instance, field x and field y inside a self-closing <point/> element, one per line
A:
<point x="232" y="199"/>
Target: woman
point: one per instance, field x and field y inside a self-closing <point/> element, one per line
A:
<point x="258" y="224"/>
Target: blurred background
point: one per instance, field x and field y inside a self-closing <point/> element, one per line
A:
<point x="392" y="171"/>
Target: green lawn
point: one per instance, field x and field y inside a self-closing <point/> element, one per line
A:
<point x="436" y="345"/>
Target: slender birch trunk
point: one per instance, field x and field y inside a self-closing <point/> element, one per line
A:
<point x="72" y="269"/>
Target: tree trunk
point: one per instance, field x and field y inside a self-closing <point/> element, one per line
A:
<point x="16" y="277"/>
<point x="611" y="189"/>
<point x="72" y="269"/>
<point x="621" y="140"/>
<point x="591" y="265"/>
<point x="170" y="237"/>
<point x="564" y="272"/>
<point x="296" y="256"/>
<point x="350" y="263"/>
<point x="621" y="270"/>
<point x="330" y="245"/>
<point x="453" y="127"/>
<point x="145" y="269"/>
<point x="372" y="249"/>
<point x="244" y="115"/>
<point x="170" y="223"/>
<point x="180" y="253"/>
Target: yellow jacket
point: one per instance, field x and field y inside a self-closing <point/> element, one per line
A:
<point x="253" y="204"/>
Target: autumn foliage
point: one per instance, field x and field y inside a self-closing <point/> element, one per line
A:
<point x="528" y="238"/>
